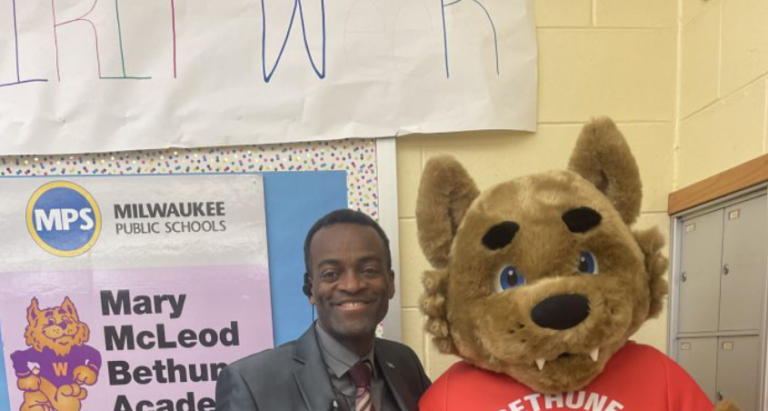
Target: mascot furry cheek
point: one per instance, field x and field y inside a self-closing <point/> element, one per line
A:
<point x="539" y="282"/>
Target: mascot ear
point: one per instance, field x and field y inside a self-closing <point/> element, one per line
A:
<point x="445" y="193"/>
<point x="33" y="311"/>
<point x="602" y="156"/>
<point x="69" y="307"/>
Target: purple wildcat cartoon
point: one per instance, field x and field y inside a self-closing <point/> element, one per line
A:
<point x="54" y="370"/>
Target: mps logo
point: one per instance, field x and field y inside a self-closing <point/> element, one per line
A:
<point x="63" y="219"/>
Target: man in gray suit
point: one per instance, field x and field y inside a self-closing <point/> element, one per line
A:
<point x="350" y="281"/>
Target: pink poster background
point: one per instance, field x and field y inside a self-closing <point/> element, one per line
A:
<point x="215" y="297"/>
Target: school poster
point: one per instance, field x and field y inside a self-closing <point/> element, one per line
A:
<point x="129" y="293"/>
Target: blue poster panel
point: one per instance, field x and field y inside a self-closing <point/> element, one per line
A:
<point x="294" y="201"/>
<point x="3" y="389"/>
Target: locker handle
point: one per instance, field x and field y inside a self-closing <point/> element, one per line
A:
<point x="720" y="396"/>
<point x="684" y="276"/>
<point x="726" y="269"/>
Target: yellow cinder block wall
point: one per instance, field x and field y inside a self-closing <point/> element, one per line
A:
<point x="723" y="80"/>
<point x="596" y="57"/>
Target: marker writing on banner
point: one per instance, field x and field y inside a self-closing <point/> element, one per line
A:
<point x="298" y="9"/>
<point x="89" y="20"/>
<point x="90" y="33"/>
<point x="19" y="78"/>
<point x="166" y="371"/>
<point x="492" y="26"/>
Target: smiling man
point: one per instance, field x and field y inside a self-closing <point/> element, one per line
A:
<point x="338" y="364"/>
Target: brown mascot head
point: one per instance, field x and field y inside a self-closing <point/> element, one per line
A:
<point x="540" y="277"/>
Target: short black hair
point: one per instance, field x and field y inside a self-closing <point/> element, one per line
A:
<point x="342" y="216"/>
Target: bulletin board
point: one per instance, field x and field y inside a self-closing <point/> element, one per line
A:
<point x="302" y="181"/>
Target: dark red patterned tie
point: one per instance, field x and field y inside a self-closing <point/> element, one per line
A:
<point x="361" y="375"/>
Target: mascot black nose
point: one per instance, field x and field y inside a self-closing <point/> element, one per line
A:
<point x="561" y="312"/>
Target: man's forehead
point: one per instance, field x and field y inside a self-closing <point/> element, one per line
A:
<point x="331" y="260"/>
<point x="347" y="237"/>
<point x="343" y="231"/>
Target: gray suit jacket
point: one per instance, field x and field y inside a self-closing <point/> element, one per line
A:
<point x="293" y="377"/>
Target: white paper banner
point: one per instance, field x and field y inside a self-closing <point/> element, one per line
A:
<point x="104" y="75"/>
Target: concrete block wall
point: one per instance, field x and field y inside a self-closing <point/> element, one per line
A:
<point x="723" y="79"/>
<point x="596" y="57"/>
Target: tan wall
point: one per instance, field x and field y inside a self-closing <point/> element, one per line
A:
<point x="596" y="57"/>
<point x="724" y="75"/>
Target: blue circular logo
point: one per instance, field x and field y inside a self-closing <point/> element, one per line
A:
<point x="63" y="219"/>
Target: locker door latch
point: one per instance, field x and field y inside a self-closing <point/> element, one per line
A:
<point x="684" y="276"/>
<point x="726" y="269"/>
<point x="720" y="396"/>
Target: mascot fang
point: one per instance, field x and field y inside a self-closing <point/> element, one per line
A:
<point x="539" y="282"/>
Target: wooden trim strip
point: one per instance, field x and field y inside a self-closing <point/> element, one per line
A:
<point x="745" y="175"/>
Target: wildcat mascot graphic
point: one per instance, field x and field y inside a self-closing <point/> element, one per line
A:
<point x="53" y="371"/>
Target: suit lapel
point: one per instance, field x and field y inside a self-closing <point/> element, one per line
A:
<point x="311" y="374"/>
<point x="395" y="382"/>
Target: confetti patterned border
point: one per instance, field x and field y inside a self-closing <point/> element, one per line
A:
<point x="356" y="156"/>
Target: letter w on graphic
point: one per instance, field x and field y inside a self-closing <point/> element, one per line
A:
<point x="60" y="368"/>
<point x="492" y="26"/>
<point x="298" y="9"/>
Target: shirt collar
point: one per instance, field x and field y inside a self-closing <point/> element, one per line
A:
<point x="337" y="357"/>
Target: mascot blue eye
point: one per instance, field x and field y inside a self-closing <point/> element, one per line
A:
<point x="510" y="277"/>
<point x="588" y="263"/>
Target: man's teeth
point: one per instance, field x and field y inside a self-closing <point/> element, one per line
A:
<point x="352" y="304"/>
<point x="594" y="354"/>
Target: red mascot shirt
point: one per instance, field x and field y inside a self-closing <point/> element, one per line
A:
<point x="637" y="378"/>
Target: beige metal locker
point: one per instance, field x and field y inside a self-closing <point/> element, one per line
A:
<point x="744" y="264"/>
<point x="719" y="307"/>
<point x="701" y="252"/>
<point x="699" y="357"/>
<point x="738" y="370"/>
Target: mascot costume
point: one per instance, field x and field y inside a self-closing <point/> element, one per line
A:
<point x="539" y="282"/>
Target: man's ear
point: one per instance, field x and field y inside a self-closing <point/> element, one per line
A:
<point x="445" y="194"/>
<point x="307" y="288"/>
<point x="602" y="156"/>
<point x="391" y="284"/>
